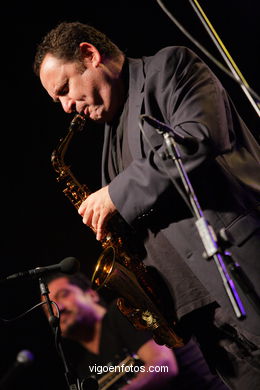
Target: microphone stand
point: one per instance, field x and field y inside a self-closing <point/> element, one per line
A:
<point x="206" y="232"/>
<point x="55" y="324"/>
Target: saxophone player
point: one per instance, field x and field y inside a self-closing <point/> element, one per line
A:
<point x="83" y="70"/>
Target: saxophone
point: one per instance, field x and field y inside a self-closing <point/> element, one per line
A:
<point x="142" y="299"/>
<point x="110" y="378"/>
<point x="121" y="374"/>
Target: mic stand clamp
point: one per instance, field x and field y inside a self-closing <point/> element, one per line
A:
<point x="55" y="324"/>
<point x="206" y="232"/>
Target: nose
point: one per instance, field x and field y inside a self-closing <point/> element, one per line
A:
<point x="68" y="104"/>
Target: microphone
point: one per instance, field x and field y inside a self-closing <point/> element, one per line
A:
<point x="69" y="265"/>
<point x="23" y="359"/>
<point x="189" y="144"/>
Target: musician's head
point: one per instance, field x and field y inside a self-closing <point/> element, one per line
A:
<point x="80" y="67"/>
<point x="80" y="307"/>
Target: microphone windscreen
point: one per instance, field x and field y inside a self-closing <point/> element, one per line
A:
<point x="69" y="265"/>
<point x="25" y="357"/>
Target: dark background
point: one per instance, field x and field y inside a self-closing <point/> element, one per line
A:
<point x="39" y="225"/>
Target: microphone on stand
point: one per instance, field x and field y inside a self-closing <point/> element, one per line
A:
<point x="23" y="359"/>
<point x="189" y="144"/>
<point x="69" y="265"/>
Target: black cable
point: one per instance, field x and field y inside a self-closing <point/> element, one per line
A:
<point x="205" y="51"/>
<point x="28" y="311"/>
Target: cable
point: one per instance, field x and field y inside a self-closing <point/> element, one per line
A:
<point x="28" y="311"/>
<point x="205" y="51"/>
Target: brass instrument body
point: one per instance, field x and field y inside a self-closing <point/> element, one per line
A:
<point x="138" y="300"/>
<point x="110" y="378"/>
<point x="117" y="267"/>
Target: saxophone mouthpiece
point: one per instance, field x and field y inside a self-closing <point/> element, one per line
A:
<point x="78" y="122"/>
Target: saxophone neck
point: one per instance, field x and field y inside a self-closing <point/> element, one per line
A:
<point x="57" y="157"/>
<point x="73" y="189"/>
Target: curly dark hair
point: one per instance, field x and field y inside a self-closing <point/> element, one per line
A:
<point x="63" y="42"/>
<point x="80" y="280"/>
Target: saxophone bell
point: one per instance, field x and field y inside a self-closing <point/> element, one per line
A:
<point x="134" y="301"/>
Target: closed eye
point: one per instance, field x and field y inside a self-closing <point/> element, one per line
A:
<point x="61" y="91"/>
<point x="62" y="294"/>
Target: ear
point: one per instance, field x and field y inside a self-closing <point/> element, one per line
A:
<point x="90" y="53"/>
